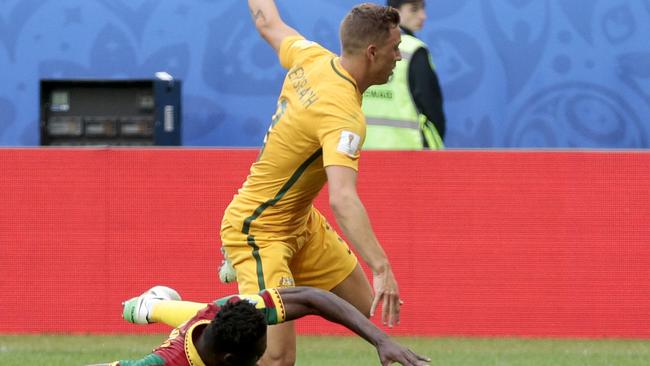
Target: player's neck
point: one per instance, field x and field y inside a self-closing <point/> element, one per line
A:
<point x="356" y="68"/>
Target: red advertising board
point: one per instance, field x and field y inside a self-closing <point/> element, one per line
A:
<point x="484" y="243"/>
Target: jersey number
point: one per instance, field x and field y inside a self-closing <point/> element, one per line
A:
<point x="279" y="112"/>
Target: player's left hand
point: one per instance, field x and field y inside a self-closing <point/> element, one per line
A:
<point x="386" y="289"/>
<point x="390" y="352"/>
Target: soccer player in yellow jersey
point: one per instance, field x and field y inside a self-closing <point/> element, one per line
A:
<point x="271" y="232"/>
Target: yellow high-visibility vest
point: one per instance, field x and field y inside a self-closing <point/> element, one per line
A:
<point x="394" y="122"/>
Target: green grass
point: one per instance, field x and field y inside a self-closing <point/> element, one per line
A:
<point x="61" y="350"/>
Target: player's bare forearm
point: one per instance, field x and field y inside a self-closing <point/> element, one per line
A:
<point x="353" y="219"/>
<point x="302" y="301"/>
<point x="269" y="23"/>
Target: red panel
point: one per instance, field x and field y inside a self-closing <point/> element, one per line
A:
<point x="483" y="243"/>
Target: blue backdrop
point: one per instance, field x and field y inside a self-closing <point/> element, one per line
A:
<point x="515" y="73"/>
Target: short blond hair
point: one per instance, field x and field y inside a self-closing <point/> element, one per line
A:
<point x="366" y="24"/>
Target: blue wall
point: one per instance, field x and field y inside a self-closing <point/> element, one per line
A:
<point x="515" y="73"/>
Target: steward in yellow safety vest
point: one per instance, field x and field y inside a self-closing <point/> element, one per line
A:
<point x="406" y="113"/>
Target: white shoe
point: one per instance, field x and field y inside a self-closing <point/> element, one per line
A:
<point x="227" y="272"/>
<point x="136" y="310"/>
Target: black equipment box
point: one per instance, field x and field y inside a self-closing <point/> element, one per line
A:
<point x="110" y="112"/>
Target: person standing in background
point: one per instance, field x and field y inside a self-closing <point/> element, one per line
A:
<point x="407" y="112"/>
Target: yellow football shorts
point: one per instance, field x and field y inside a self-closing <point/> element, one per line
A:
<point x="315" y="257"/>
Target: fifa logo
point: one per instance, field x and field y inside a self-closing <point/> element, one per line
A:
<point x="286" y="282"/>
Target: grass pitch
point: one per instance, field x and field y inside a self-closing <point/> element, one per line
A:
<point x="65" y="350"/>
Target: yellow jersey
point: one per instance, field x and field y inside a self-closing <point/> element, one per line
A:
<point x="318" y="123"/>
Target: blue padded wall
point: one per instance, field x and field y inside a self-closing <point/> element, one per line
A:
<point x="515" y="73"/>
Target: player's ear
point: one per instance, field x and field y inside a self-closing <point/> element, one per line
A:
<point x="371" y="52"/>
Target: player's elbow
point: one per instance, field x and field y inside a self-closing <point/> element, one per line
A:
<point x="267" y="27"/>
<point x="341" y="203"/>
<point x="314" y="300"/>
<point x="262" y="26"/>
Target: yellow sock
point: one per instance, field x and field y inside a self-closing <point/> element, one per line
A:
<point x="173" y="313"/>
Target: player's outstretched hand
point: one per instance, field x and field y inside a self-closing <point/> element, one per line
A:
<point x="390" y="352"/>
<point x="386" y="290"/>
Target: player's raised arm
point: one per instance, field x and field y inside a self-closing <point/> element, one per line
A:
<point x="302" y="301"/>
<point x="269" y="23"/>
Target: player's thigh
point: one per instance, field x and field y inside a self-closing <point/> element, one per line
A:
<point x="324" y="260"/>
<point x="260" y="262"/>
<point x="356" y="290"/>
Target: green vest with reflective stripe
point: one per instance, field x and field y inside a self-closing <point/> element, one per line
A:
<point x="394" y="122"/>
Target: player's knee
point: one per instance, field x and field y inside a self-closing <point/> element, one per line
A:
<point x="287" y="358"/>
